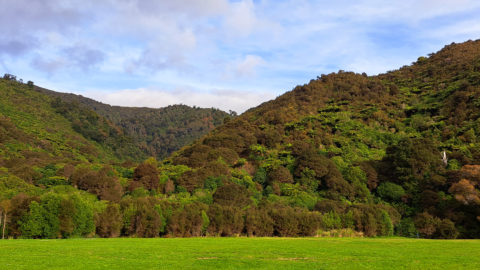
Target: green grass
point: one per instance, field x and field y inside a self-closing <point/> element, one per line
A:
<point x="240" y="253"/>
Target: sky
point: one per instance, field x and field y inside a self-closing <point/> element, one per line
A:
<point x="231" y="55"/>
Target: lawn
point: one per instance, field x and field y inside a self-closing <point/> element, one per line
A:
<point x="240" y="253"/>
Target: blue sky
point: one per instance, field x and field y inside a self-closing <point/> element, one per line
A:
<point x="231" y="55"/>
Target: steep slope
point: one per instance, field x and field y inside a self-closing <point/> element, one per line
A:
<point x="354" y="140"/>
<point x="37" y="127"/>
<point x="157" y="132"/>
<point x="42" y="139"/>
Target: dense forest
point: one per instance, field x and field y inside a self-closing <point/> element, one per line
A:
<point x="344" y="155"/>
<point x="155" y="132"/>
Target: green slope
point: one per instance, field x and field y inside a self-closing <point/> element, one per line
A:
<point x="156" y="132"/>
<point x="33" y="130"/>
<point x="346" y="141"/>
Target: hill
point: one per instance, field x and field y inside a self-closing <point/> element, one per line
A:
<point x="352" y="144"/>
<point x="156" y="132"/>
<point x="346" y="154"/>
<point x="37" y="127"/>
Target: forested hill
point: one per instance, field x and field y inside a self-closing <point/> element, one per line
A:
<point x="351" y="144"/>
<point x="346" y="154"/>
<point x="156" y="132"/>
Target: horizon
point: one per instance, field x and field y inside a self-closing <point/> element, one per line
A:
<point x="230" y="55"/>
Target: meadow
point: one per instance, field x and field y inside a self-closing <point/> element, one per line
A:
<point x="240" y="253"/>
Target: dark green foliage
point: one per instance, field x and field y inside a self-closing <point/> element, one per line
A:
<point x="94" y="127"/>
<point x="413" y="160"/>
<point x="390" y="191"/>
<point x="260" y="176"/>
<point x="212" y="183"/>
<point x="152" y="132"/>
<point x="446" y="230"/>
<point x="406" y="228"/>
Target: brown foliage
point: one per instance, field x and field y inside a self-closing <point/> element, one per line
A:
<point x="101" y="183"/>
<point x="225" y="220"/>
<point x="147" y="175"/>
<point x="280" y="175"/>
<point x="109" y="222"/>
<point x="326" y="206"/>
<point x="294" y="222"/>
<point x="20" y="204"/>
<point x="187" y="221"/>
<point x="169" y="187"/>
<point x="144" y="220"/>
<point x="426" y="224"/>
<point x="258" y="222"/>
<point x="232" y="194"/>
<point x="193" y="179"/>
<point x="465" y="192"/>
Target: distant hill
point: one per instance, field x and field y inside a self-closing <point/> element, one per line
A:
<point x="156" y="132"/>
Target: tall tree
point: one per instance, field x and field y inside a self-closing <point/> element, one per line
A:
<point x="5" y="208"/>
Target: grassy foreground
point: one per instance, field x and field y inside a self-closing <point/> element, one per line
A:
<point x="238" y="253"/>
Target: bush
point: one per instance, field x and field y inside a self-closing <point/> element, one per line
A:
<point x="406" y="228"/>
<point x="390" y="191"/>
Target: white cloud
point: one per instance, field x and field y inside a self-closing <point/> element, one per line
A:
<point x="246" y="67"/>
<point x="241" y="19"/>
<point x="235" y="100"/>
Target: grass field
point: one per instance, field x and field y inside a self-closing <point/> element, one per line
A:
<point x="240" y="253"/>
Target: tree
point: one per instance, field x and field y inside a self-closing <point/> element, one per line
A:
<point x="102" y="183"/>
<point x="465" y="192"/>
<point x="191" y="220"/>
<point x="412" y="160"/>
<point x="232" y="194"/>
<point x="258" y="222"/>
<point x="109" y="222"/>
<point x="146" y="174"/>
<point x="42" y="220"/>
<point x="140" y="217"/>
<point x="5" y="206"/>
<point x="390" y="191"/>
<point x="426" y="224"/>
<point x="280" y="175"/>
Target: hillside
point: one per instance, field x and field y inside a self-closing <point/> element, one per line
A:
<point x="39" y="128"/>
<point x="156" y="132"/>
<point x="351" y="144"/>
<point x="346" y="154"/>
